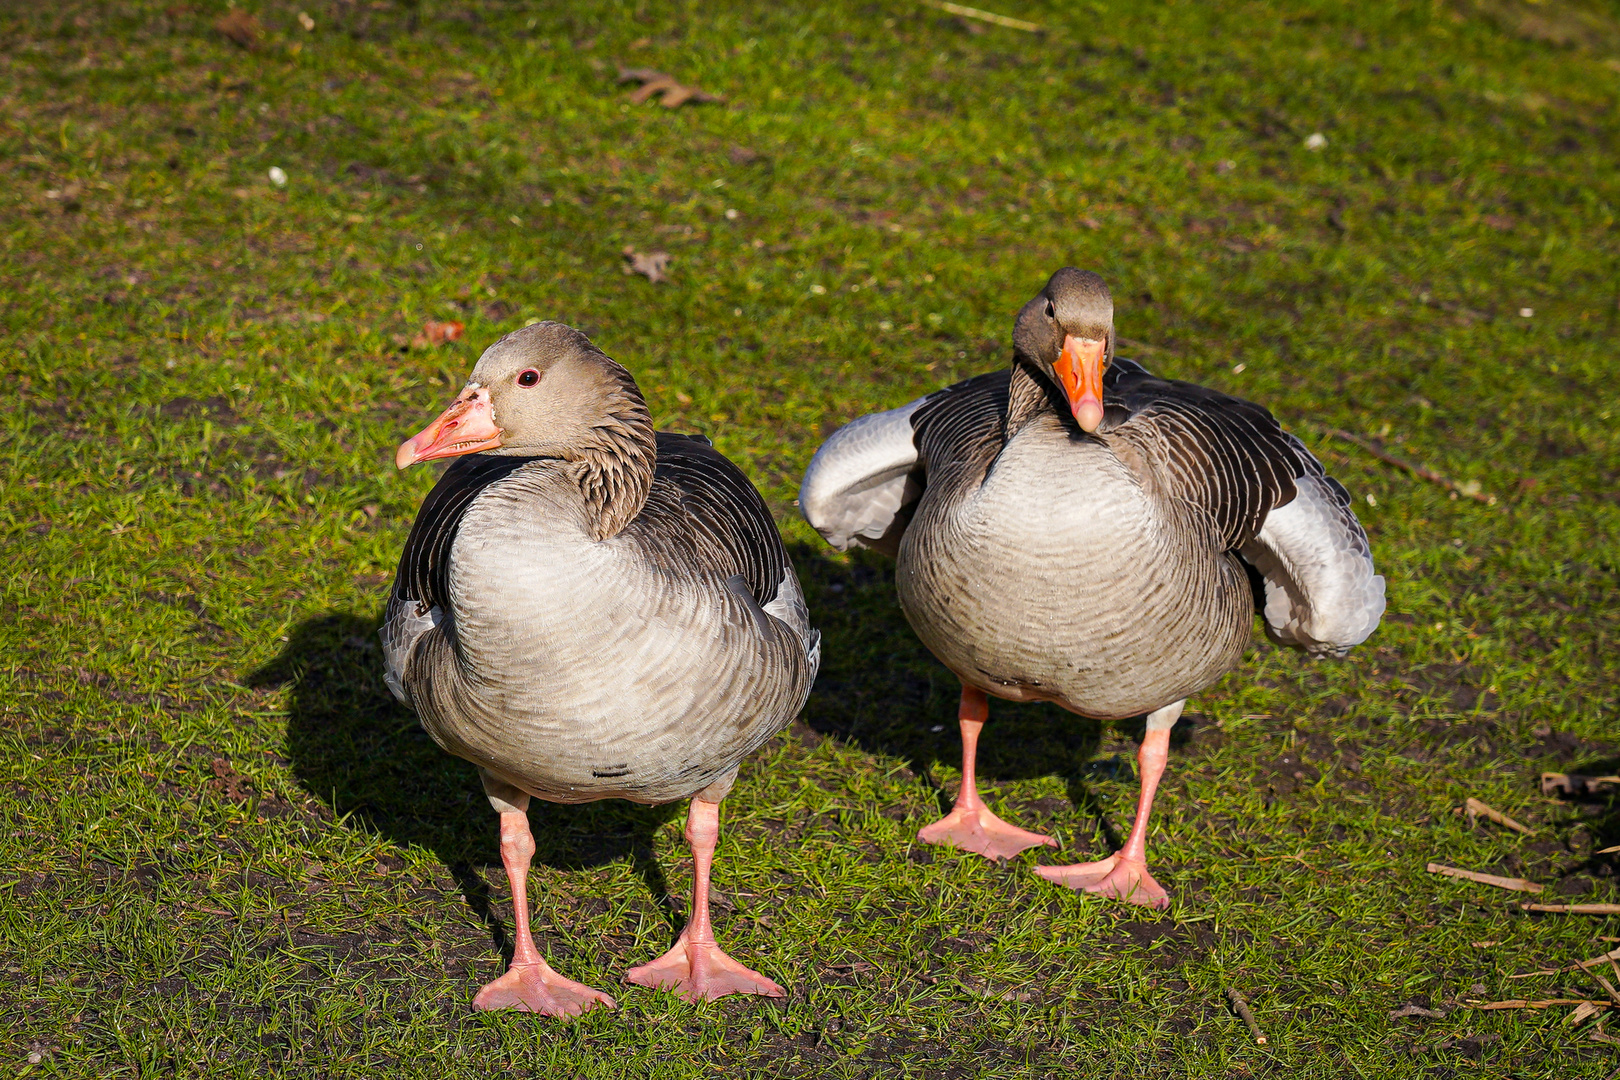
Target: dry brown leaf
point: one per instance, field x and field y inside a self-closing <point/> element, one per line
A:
<point x="1514" y="883"/>
<point x="654" y="83"/>
<point x="650" y="264"/>
<point x="437" y="333"/>
<point x="241" y="27"/>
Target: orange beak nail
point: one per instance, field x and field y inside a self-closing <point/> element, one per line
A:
<point x="1080" y="370"/>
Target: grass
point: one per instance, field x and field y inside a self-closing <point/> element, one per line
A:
<point x="228" y="853"/>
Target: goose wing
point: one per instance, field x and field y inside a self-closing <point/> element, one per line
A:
<point x="865" y="480"/>
<point x="421" y="585"/>
<point x="704" y="515"/>
<point x="1266" y="497"/>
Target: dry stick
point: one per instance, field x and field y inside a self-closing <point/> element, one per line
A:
<point x="1520" y="1003"/>
<point x="1608" y="987"/>
<point x="985" y="16"/>
<point x="1475" y="809"/>
<point x="1422" y="472"/>
<point x="1242" y="1008"/>
<point x="1575" y="909"/>
<point x="1517" y="884"/>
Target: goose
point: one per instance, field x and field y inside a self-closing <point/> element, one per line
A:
<point x="588" y="609"/>
<point x="1074" y="530"/>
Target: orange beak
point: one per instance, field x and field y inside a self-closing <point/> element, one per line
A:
<point x="1080" y="370"/>
<point x="466" y="427"/>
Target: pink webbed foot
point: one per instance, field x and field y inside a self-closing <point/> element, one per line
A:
<point x="978" y="830"/>
<point x="537" y="988"/>
<point x="702" y="972"/>
<point x="1116" y="877"/>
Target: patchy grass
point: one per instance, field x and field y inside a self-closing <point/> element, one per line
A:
<point x="229" y="853"/>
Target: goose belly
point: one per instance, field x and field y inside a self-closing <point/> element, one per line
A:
<point x="584" y="675"/>
<point x="1062" y="579"/>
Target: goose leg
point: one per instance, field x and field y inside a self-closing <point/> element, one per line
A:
<point x="530" y="984"/>
<point x="696" y="968"/>
<point x="970" y="825"/>
<point x="1124" y="874"/>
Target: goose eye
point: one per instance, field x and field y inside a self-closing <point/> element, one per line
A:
<point x="1050" y="310"/>
<point x="528" y="378"/>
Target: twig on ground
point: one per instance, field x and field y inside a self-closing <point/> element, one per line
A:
<point x="1242" y="1008"/>
<point x="1575" y="909"/>
<point x="1475" y="809"/>
<point x="1515" y="883"/>
<point x="1557" y="783"/>
<point x="1608" y="987"/>
<point x="1521" y="1003"/>
<point x="985" y="16"/>
<point x="1470" y="489"/>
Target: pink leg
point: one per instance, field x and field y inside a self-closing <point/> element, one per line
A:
<point x="970" y="825"/>
<point x="696" y="968"/>
<point x="530" y="985"/>
<point x="1124" y="874"/>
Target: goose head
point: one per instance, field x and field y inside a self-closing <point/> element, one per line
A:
<point x="542" y="391"/>
<point x="1067" y="333"/>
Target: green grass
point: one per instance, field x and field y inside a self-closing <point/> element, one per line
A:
<point x="228" y="853"/>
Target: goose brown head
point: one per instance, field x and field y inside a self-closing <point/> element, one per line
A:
<point x="542" y="391"/>
<point x="1067" y="333"/>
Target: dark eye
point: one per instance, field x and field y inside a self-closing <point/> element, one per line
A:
<point x="1051" y="311"/>
<point x="528" y="378"/>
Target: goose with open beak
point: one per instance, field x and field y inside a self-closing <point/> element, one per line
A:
<point x="1075" y="530"/>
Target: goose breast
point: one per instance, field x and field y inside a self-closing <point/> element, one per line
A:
<point x="586" y="670"/>
<point x="1062" y="571"/>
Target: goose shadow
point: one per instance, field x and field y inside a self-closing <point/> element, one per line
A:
<point x="883" y="691"/>
<point x="356" y="749"/>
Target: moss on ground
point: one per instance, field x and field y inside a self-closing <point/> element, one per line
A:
<point x="229" y="853"/>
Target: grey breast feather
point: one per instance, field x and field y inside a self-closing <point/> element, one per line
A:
<point x="861" y="478"/>
<point x="1321" y="592"/>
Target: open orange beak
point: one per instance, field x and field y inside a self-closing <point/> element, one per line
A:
<point x="1080" y="370"/>
<point x="466" y="427"/>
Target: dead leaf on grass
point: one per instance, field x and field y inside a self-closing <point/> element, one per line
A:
<point x="654" y="83"/>
<point x="241" y="27"/>
<point x="1575" y="909"/>
<point x="1410" y="1009"/>
<point x="437" y="333"/>
<point x="650" y="264"/>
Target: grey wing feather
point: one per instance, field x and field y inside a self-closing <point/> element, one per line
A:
<point x="862" y="479"/>
<point x="401" y="630"/>
<point x="1321" y="592"/>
